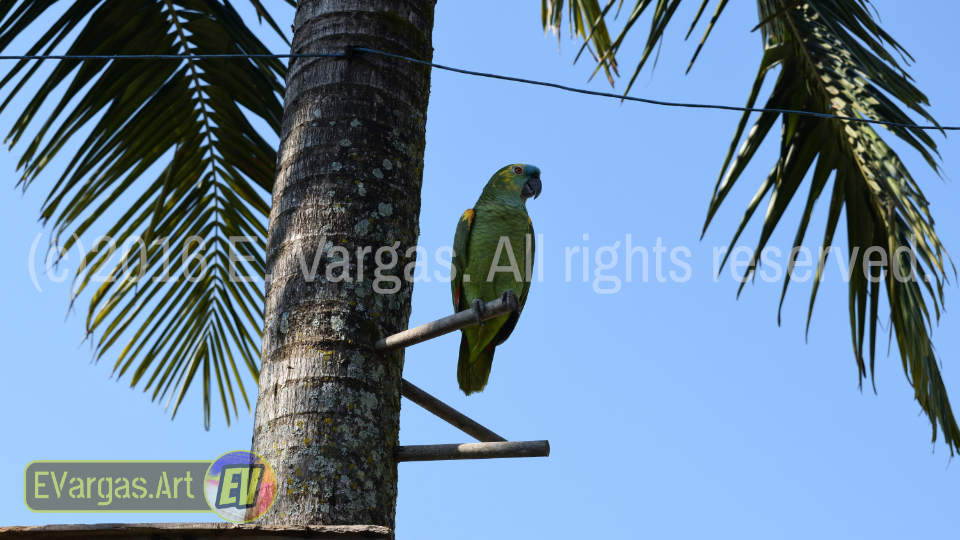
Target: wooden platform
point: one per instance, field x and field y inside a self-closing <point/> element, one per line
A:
<point x="195" y="531"/>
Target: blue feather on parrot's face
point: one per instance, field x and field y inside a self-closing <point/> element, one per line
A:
<point x="513" y="184"/>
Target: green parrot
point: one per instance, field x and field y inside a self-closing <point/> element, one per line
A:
<point x="496" y="232"/>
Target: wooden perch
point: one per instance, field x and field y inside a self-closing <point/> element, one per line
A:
<point x="448" y="413"/>
<point x="439" y="327"/>
<point x="490" y="450"/>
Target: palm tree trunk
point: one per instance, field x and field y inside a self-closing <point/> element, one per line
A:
<point x="349" y="172"/>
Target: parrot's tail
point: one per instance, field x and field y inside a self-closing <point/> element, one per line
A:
<point x="473" y="376"/>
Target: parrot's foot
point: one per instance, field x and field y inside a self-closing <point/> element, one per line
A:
<point x="478" y="310"/>
<point x="510" y="299"/>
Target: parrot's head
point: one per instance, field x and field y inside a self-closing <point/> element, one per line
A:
<point x="514" y="183"/>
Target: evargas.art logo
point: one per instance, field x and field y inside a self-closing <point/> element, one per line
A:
<point x="239" y="486"/>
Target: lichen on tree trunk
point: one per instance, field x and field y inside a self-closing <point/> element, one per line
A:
<point x="349" y="170"/>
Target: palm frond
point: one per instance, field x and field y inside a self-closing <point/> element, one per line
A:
<point x="587" y="20"/>
<point x="135" y="117"/>
<point x="832" y="61"/>
<point x="834" y="58"/>
<point x="606" y="49"/>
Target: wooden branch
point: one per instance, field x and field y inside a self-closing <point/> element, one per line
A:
<point x="490" y="450"/>
<point x="449" y="414"/>
<point x="439" y="327"/>
<point x="195" y="531"/>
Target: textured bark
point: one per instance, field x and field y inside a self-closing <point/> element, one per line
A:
<point x="349" y="169"/>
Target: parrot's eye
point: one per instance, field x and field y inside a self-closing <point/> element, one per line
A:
<point x="518" y="170"/>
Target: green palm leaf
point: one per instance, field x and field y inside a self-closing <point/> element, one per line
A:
<point x="835" y="59"/>
<point x="132" y="117"/>
<point x="586" y="21"/>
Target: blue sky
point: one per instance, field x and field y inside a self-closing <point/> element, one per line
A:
<point x="674" y="410"/>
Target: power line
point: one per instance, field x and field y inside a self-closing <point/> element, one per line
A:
<point x="352" y="50"/>
<point x="169" y="56"/>
<point x="655" y="102"/>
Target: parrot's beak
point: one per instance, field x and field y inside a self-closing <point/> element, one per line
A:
<point x="532" y="188"/>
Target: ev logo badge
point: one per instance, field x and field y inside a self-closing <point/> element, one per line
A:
<point x="240" y="486"/>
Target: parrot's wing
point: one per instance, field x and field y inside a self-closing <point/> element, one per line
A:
<point x="531" y="248"/>
<point x="458" y="262"/>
